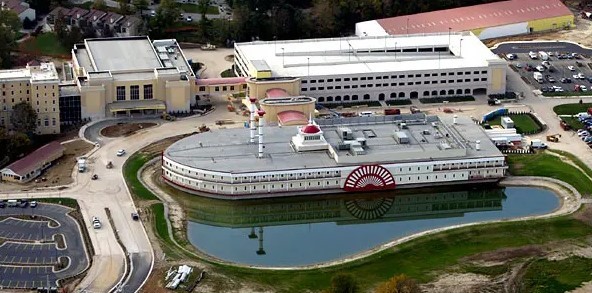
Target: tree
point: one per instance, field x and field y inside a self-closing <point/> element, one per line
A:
<point x="166" y="17"/>
<point x="99" y="5"/>
<point x="9" y="27"/>
<point x="59" y="26"/>
<point x="398" y="284"/>
<point x="343" y="283"/>
<point x="124" y="7"/>
<point x="23" y="118"/>
<point x="140" y="5"/>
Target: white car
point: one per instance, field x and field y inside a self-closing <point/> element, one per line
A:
<point x="540" y="68"/>
<point x="583" y="88"/>
<point x="96" y="223"/>
<point x="584" y="134"/>
<point x="581" y="76"/>
<point x="571" y="68"/>
<point x="533" y="55"/>
<point x="120" y="153"/>
<point x="557" y="88"/>
<point x="576" y="76"/>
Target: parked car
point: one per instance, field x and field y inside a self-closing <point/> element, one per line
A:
<point x="540" y="68"/>
<point x="189" y="18"/>
<point x="33" y="204"/>
<point x="2" y="204"/>
<point x="571" y="68"/>
<point x="550" y="78"/>
<point x="120" y="152"/>
<point x="565" y="80"/>
<point x="518" y="65"/>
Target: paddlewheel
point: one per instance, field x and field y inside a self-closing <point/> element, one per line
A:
<point x="368" y="178"/>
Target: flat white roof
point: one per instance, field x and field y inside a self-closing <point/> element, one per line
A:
<point x="355" y="55"/>
<point x="122" y="54"/>
<point x="45" y="72"/>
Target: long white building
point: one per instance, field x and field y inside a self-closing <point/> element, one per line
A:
<point x="354" y="69"/>
<point x="336" y="155"/>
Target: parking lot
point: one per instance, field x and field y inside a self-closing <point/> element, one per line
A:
<point x="566" y="70"/>
<point x="30" y="256"/>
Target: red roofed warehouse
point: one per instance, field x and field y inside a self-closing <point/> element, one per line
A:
<point x="31" y="166"/>
<point x="486" y="21"/>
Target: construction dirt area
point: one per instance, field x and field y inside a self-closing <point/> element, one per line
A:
<point x="124" y="129"/>
<point x="60" y="173"/>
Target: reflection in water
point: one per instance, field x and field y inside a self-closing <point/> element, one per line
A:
<point x="360" y="208"/>
<point x="307" y="230"/>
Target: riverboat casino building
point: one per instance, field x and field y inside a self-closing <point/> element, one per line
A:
<point x="333" y="155"/>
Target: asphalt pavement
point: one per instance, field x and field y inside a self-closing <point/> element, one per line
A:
<point x="525" y="47"/>
<point x="27" y="263"/>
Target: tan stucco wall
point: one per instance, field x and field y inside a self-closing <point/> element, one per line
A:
<point x="258" y="89"/>
<point x="177" y="96"/>
<point x="272" y="110"/>
<point x="92" y="102"/>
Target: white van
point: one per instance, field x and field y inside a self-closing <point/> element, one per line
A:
<point x="11" y="203"/>
<point x="366" y="114"/>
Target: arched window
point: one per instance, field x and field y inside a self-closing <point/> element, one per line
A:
<point x="321" y="99"/>
<point x="442" y="92"/>
<point x="346" y="98"/>
<point x="401" y="95"/>
<point x="338" y="99"/>
<point x="426" y="93"/>
<point x="434" y="93"/>
<point x="451" y="92"/>
<point x="393" y="95"/>
<point x="459" y="92"/>
<point x="468" y="91"/>
<point x="366" y="97"/>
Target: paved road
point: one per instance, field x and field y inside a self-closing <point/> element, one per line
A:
<point x="24" y="264"/>
<point x="540" y="46"/>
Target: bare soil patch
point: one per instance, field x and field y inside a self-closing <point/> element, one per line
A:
<point x="60" y="173"/>
<point x="506" y="254"/>
<point x="124" y="129"/>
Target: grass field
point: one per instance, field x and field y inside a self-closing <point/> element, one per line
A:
<point x="193" y="8"/>
<point x="571" y="109"/>
<point x="574" y="123"/>
<point x="228" y="73"/>
<point x="130" y="171"/>
<point x="69" y="202"/>
<point x="546" y="165"/>
<point x="575" y="160"/>
<point x="160" y="222"/>
<point x="550" y="276"/>
<point x="523" y="123"/>
<point x="44" y="44"/>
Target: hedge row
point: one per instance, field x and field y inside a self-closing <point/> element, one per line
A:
<point x="451" y="99"/>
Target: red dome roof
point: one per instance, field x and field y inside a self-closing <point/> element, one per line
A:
<point x="311" y="129"/>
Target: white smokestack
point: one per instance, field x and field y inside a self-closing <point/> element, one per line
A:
<point x="454" y="119"/>
<point x="261" y="123"/>
<point x="252" y="119"/>
<point x="478" y="145"/>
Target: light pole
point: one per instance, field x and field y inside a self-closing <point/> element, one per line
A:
<point x="283" y="57"/>
<point x="395" y="51"/>
<point x="460" y="48"/>
<point x="307" y="66"/>
<point x="449" y="37"/>
<point x="407" y="27"/>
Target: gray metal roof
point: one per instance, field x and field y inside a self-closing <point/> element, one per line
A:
<point x="122" y="54"/>
<point x="229" y="150"/>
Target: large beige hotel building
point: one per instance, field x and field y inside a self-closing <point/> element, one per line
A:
<point x="37" y="84"/>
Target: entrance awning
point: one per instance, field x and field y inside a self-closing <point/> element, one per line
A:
<point x="136" y="105"/>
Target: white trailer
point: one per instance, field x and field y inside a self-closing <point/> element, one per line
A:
<point x="538" y="77"/>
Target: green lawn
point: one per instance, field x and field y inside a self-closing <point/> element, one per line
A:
<point x="228" y="73"/>
<point x="69" y="202"/>
<point x="193" y="8"/>
<point x="45" y="44"/>
<point x="574" y="123"/>
<point x="556" y="276"/>
<point x="571" y="109"/>
<point x="523" y="123"/>
<point x="130" y="171"/>
<point x="575" y="160"/>
<point x="546" y="165"/>
<point x="160" y="222"/>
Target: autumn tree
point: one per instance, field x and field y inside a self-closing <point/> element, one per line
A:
<point x="124" y="7"/>
<point x="23" y="118"/>
<point x="140" y="5"/>
<point x="398" y="284"/>
<point x="343" y="283"/>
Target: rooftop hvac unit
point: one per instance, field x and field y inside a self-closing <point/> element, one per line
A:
<point x="361" y="141"/>
<point x="345" y="133"/>
<point x="401" y="137"/>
